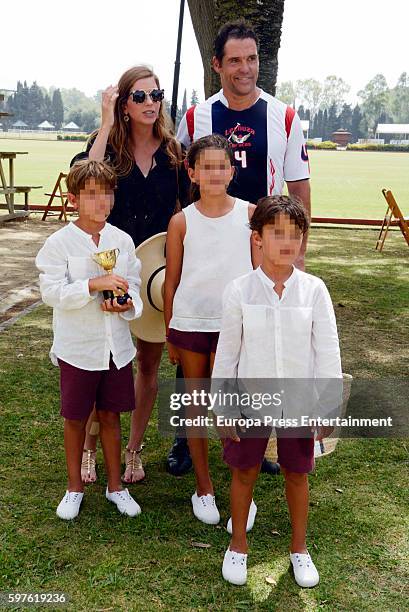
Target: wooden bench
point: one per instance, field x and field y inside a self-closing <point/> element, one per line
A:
<point x="19" y="189"/>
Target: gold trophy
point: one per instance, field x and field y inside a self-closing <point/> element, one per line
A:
<point x="107" y="261"/>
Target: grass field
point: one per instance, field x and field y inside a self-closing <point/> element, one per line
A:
<point x="358" y="510"/>
<point x="344" y="183"/>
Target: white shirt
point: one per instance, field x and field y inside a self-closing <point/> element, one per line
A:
<point x="263" y="336"/>
<point x="84" y="335"/>
<point x="267" y="140"/>
<point x="215" y="251"/>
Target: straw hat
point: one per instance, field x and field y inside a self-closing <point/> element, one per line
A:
<point x="151" y="325"/>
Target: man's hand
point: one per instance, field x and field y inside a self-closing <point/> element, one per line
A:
<point x="108" y="282"/>
<point x="108" y="306"/>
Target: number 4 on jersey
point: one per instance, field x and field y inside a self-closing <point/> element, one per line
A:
<point x="241" y="157"/>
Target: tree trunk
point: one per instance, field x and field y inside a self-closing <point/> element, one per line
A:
<point x="266" y="16"/>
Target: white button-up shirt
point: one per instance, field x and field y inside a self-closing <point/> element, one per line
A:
<point x="84" y="335"/>
<point x="263" y="336"/>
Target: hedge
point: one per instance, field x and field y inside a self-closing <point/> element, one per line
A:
<point x="81" y="137"/>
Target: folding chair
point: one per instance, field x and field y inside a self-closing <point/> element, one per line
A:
<point x="392" y="212"/>
<point x="57" y="192"/>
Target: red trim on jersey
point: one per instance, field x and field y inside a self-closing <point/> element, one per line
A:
<point x="289" y="116"/>
<point x="190" y="121"/>
<point x="273" y="171"/>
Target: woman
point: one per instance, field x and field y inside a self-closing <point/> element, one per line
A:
<point x="152" y="184"/>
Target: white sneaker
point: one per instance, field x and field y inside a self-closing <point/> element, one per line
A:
<point x="205" y="509"/>
<point x="234" y="568"/>
<point x="124" y="502"/>
<point x="250" y="519"/>
<point x="69" y="506"/>
<point x="305" y="572"/>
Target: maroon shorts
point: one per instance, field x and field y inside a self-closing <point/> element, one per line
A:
<point x="294" y="454"/>
<point x="197" y="342"/>
<point x="111" y="390"/>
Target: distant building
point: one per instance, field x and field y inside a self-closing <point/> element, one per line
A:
<point x="46" y="125"/>
<point x="305" y="124"/>
<point x="20" y="125"/>
<point x="393" y="133"/>
<point x="71" y="126"/>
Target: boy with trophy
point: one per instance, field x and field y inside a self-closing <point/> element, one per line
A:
<point x="90" y="276"/>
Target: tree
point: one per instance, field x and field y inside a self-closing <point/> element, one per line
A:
<point x="334" y="91"/>
<point x="332" y="124"/>
<point x="266" y="16"/>
<point x="309" y="94"/>
<point x="356" y="124"/>
<point x="375" y="97"/>
<point x="399" y="99"/>
<point x="57" y="109"/>
<point x="194" y="98"/>
<point x="301" y="112"/>
<point x="286" y="92"/>
<point x="345" y="118"/>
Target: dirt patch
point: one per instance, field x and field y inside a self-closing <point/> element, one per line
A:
<point x="19" y="244"/>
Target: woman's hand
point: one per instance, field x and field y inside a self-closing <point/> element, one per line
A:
<point x="109" y="98"/>
<point x="173" y="354"/>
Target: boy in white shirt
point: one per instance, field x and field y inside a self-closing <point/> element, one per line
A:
<point x="92" y="342"/>
<point x="278" y="322"/>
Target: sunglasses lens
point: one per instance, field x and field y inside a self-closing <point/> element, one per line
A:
<point x="138" y="96"/>
<point x="157" y="95"/>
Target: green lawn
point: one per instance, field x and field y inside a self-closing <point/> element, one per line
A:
<point x="344" y="183"/>
<point x="358" y="536"/>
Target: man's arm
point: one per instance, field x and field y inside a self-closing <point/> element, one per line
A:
<point x="302" y="190"/>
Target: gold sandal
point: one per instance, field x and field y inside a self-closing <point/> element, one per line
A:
<point x="88" y="466"/>
<point x="133" y="463"/>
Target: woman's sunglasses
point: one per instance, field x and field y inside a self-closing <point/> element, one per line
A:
<point x="139" y="95"/>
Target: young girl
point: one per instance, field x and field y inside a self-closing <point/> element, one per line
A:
<point x="278" y="322"/>
<point x="208" y="245"/>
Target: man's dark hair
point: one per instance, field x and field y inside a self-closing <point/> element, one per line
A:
<point x="239" y="29"/>
<point x="269" y="207"/>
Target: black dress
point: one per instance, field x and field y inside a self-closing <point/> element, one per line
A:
<point x="143" y="205"/>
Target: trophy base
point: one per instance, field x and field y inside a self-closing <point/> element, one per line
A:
<point x="121" y="299"/>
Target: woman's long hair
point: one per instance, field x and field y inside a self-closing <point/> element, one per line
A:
<point x="119" y="137"/>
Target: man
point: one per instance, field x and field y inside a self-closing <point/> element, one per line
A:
<point x="266" y="137"/>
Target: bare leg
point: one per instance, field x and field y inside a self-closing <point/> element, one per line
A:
<point x="241" y="494"/>
<point x="88" y="472"/>
<point x="90" y="437"/>
<point x="297" y="494"/>
<point x="110" y="434"/>
<point x="74" y="436"/>
<point x="146" y="388"/>
<point x="196" y="365"/>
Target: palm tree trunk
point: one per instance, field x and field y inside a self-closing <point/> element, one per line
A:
<point x="266" y="16"/>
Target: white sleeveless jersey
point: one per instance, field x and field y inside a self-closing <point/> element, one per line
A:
<point x="216" y="251"/>
<point x="267" y="140"/>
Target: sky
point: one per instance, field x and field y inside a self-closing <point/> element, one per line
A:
<point x="88" y="44"/>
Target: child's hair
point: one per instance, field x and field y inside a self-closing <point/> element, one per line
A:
<point x="214" y="141"/>
<point x="269" y="207"/>
<point x="85" y="169"/>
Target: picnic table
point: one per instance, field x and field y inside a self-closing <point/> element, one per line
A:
<point x="8" y="188"/>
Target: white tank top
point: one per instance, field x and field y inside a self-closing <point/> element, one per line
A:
<point x="216" y="251"/>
